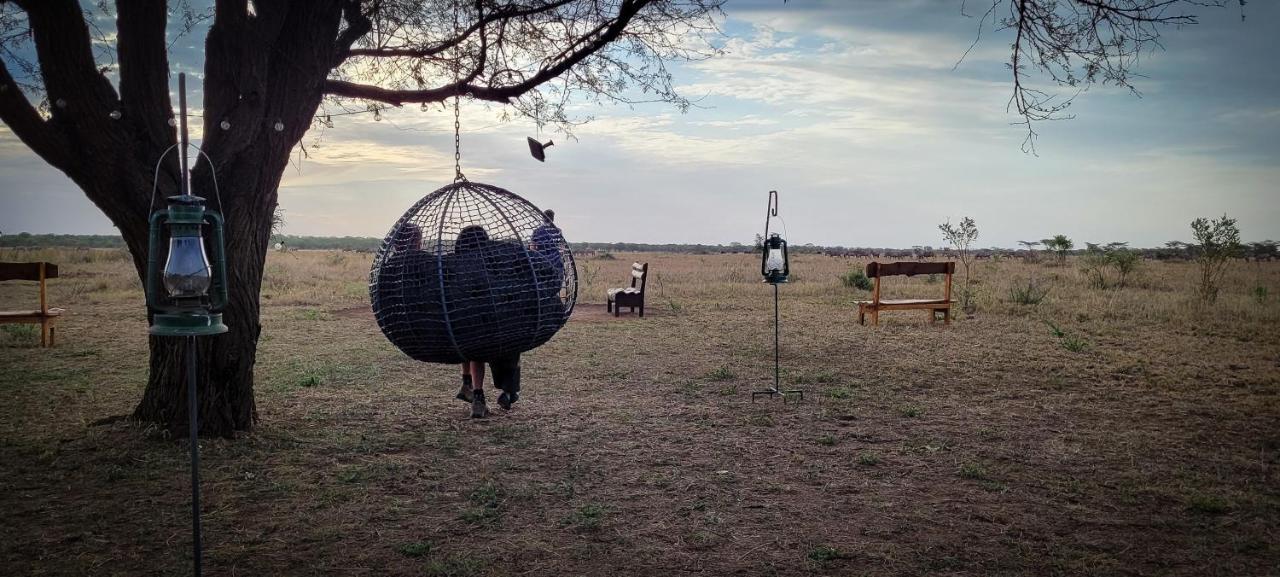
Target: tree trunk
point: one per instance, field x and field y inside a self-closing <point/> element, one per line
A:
<point x="225" y="373"/>
<point x="250" y="88"/>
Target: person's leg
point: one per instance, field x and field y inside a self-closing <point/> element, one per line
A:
<point x="506" y="376"/>
<point x="479" y="409"/>
<point x="464" y="393"/>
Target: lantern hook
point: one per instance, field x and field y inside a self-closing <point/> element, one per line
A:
<point x="770" y="211"/>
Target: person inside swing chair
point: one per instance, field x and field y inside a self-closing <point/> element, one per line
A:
<point x="474" y="240"/>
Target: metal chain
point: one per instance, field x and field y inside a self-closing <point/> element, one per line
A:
<point x="457" y="142"/>
<point x="457" y="109"/>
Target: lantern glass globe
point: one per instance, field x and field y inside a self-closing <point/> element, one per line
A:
<point x="186" y="273"/>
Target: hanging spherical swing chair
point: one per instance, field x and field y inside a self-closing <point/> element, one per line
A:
<point x="471" y="272"/>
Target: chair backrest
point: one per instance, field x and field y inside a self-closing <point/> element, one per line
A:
<point x="879" y="269"/>
<point x="34" y="271"/>
<point x="639" y="274"/>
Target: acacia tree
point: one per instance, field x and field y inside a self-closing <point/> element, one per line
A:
<point x="268" y="68"/>
<point x="1060" y="245"/>
<point x="961" y="238"/>
<point x="95" y="103"/>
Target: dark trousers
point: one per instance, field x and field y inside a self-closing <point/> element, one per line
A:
<point x="506" y="373"/>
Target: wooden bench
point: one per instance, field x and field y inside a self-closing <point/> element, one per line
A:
<point x="877" y="270"/>
<point x="632" y="296"/>
<point x="45" y="317"/>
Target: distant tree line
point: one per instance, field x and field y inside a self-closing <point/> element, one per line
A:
<point x="28" y="240"/>
<point x="1173" y="250"/>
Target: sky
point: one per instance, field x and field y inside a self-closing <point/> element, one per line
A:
<point x="855" y="111"/>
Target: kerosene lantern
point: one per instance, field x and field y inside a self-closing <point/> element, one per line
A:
<point x="187" y="295"/>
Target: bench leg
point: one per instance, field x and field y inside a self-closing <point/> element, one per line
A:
<point x="875" y="317"/>
<point x="862" y="315"/>
<point x="608" y="304"/>
<point x="946" y="316"/>
<point x="53" y="334"/>
<point x="44" y="333"/>
<point x="617" y="309"/>
<point x="641" y="310"/>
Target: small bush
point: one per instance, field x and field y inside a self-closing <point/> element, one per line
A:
<point x="606" y="256"/>
<point x="1074" y="344"/>
<point x="856" y="279"/>
<point x="1260" y="294"/>
<point x="722" y="373"/>
<point x="868" y="459"/>
<point x="24" y="333"/>
<point x="824" y="553"/>
<point x="1208" y="504"/>
<point x="416" y="549"/>
<point x="1031" y="294"/>
<point x="973" y="471"/>
<point x="826" y="440"/>
<point x="840" y="393"/>
<point x="587" y="518"/>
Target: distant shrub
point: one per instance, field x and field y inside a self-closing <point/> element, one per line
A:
<point x="1115" y="256"/>
<point x="856" y="279"/>
<point x="1218" y="242"/>
<point x="1260" y="294"/>
<point x="606" y="256"/>
<point x="1060" y="245"/>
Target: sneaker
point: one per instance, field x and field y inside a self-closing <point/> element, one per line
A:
<point x="464" y="394"/>
<point x="505" y="400"/>
<point x="479" y="410"/>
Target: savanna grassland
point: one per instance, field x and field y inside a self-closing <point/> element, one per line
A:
<point x="1131" y="431"/>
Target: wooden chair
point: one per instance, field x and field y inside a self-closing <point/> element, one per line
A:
<point x="632" y="296"/>
<point x="45" y="317"/>
<point x="876" y="304"/>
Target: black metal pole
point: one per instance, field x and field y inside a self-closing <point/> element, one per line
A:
<point x="193" y="417"/>
<point x="777" y="370"/>
<point x="182" y="110"/>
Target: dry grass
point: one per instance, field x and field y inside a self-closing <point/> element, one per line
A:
<point x="985" y="448"/>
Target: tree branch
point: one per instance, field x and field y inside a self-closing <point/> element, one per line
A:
<point x="581" y="49"/>
<point x="427" y="52"/>
<point x="144" y="69"/>
<point x="26" y="123"/>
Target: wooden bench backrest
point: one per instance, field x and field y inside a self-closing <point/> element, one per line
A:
<point x="877" y="270"/>
<point x="34" y="271"/>
<point x="639" y="274"/>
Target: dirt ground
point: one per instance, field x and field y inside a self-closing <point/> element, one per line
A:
<point x="1129" y="431"/>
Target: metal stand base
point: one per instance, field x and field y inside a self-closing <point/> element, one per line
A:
<point x="778" y="393"/>
<point x="776" y="390"/>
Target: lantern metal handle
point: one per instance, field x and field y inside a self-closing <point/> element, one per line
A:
<point x="158" y="218"/>
<point x="155" y="178"/>
<point x="218" y="296"/>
